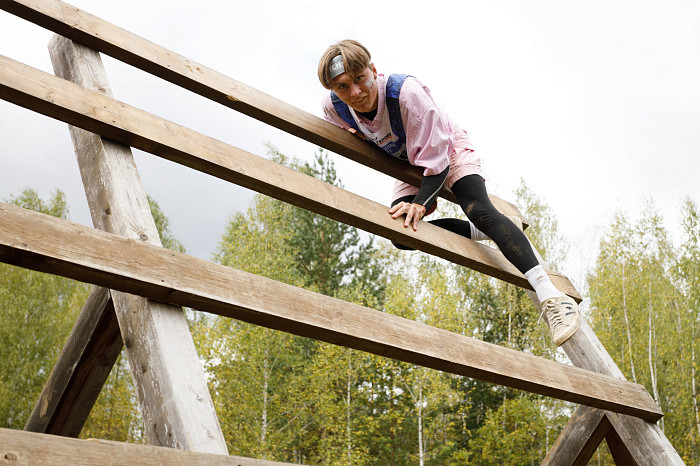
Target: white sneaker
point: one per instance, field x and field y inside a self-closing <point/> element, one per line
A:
<point x="563" y="317"/>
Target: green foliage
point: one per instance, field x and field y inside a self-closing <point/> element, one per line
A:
<point x="515" y="434"/>
<point x="328" y="254"/>
<point x="167" y="238"/>
<point x="37" y="312"/>
<point x="644" y="309"/>
<point x="287" y="398"/>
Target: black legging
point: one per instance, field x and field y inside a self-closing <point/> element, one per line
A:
<point x="471" y="194"/>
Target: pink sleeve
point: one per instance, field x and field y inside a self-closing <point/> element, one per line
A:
<point x="329" y="112"/>
<point x="429" y="132"/>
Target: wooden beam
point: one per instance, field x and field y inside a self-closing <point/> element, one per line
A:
<point x="580" y="438"/>
<point x="83" y="366"/>
<point x="20" y="447"/>
<point x="92" y="111"/>
<point x="168" y="377"/>
<point x="82" y="27"/>
<point x="40" y="242"/>
<point x="644" y="442"/>
<point x="620" y="453"/>
<point x="630" y="437"/>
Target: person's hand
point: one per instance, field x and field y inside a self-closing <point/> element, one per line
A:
<point x="354" y="132"/>
<point x="413" y="212"/>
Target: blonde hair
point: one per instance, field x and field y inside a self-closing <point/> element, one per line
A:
<point x="356" y="57"/>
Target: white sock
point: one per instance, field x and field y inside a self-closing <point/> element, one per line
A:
<point x="477" y="235"/>
<point x="543" y="286"/>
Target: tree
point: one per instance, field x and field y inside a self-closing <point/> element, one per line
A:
<point x="642" y="316"/>
<point x="513" y="434"/>
<point x="268" y="372"/>
<point x="328" y="254"/>
<point x="37" y="312"/>
<point x="688" y="329"/>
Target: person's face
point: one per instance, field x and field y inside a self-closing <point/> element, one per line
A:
<point x="359" y="92"/>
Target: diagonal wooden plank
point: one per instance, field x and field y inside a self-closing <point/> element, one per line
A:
<point x="40" y="242"/>
<point x="28" y="448"/>
<point x="629" y="436"/>
<point x="83" y="366"/>
<point x="635" y="441"/>
<point x="80" y="26"/>
<point x="168" y="377"/>
<point x="580" y="438"/>
<point x="92" y="111"/>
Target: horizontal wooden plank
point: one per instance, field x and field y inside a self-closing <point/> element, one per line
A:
<point x="26" y="448"/>
<point x="40" y="242"/>
<point x="81" y="370"/>
<point x="123" y="45"/>
<point x="68" y="102"/>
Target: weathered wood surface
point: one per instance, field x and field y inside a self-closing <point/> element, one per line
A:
<point x="83" y="366"/>
<point x="80" y="26"/>
<point x="63" y="100"/>
<point x="40" y="242"/>
<point x="169" y="380"/>
<point x="580" y="438"/>
<point x="631" y="437"/>
<point x="28" y="448"/>
<point x="643" y="442"/>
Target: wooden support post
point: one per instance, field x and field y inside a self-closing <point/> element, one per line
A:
<point x="171" y="386"/>
<point x="117" y="121"/>
<point x="82" y="368"/>
<point x="28" y="448"/>
<point x="41" y="242"/>
<point x="580" y="438"/>
<point x="642" y="439"/>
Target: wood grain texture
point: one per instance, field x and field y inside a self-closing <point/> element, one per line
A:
<point x="168" y="377"/>
<point x="81" y="370"/>
<point x="28" y="448"/>
<point x="82" y="27"/>
<point x="580" y="438"/>
<point x="95" y="112"/>
<point x="636" y="440"/>
<point x="39" y="242"/>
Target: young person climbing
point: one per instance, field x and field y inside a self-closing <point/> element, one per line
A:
<point x="398" y="115"/>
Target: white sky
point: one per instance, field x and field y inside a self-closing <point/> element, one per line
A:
<point x="596" y="104"/>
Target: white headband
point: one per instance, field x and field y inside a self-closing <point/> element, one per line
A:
<point x="336" y="67"/>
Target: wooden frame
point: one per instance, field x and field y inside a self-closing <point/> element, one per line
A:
<point x="120" y="122"/>
<point x="40" y="242"/>
<point x="623" y="412"/>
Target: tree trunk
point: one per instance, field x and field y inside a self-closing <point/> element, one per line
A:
<point x="652" y="365"/>
<point x="627" y="324"/>
<point x="421" y="450"/>
<point x="266" y="379"/>
<point x="692" y="382"/>
<point x="347" y="408"/>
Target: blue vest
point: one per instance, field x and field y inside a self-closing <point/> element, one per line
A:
<point x="393" y="89"/>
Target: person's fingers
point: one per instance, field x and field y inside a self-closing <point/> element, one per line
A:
<point x="398" y="210"/>
<point x="359" y="135"/>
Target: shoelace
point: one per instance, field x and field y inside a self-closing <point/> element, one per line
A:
<point x="553" y="316"/>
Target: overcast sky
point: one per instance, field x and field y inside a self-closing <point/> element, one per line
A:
<point x="595" y="104"/>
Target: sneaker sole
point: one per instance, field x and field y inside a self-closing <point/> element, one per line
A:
<point x="568" y="334"/>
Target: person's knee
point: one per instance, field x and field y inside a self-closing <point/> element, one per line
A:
<point x="480" y="215"/>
